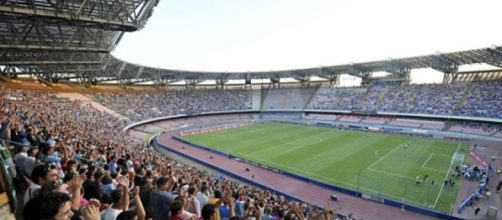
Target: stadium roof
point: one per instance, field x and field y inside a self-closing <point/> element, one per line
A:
<point x="65" y="40"/>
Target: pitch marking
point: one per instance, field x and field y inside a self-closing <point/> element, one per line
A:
<point x="376" y="153"/>
<point x="384" y="156"/>
<point x="298" y="171"/>
<point x="426" y="161"/>
<point x="281" y="139"/>
<point x="320" y="177"/>
<point x="446" y="176"/>
<point x="390" y="173"/>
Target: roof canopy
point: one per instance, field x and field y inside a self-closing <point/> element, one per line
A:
<point x="62" y="40"/>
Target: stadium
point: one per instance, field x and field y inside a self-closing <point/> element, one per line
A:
<point x="87" y="134"/>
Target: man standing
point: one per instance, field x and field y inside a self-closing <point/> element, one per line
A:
<point x="19" y="160"/>
<point x="50" y="157"/>
<point x="476" y="211"/>
<point x="38" y="177"/>
<point x="5" y="128"/>
<point x="31" y="161"/>
<point x="160" y="200"/>
<point x="193" y="202"/>
<point x="55" y="205"/>
<point x="202" y="196"/>
<point x="176" y="210"/>
<point x="146" y="191"/>
<point x="119" y="199"/>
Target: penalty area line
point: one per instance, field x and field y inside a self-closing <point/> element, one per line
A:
<point x="446" y="176"/>
<point x="427" y="161"/>
<point x="384" y="156"/>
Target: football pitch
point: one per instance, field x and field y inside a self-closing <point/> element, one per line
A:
<point x="375" y="164"/>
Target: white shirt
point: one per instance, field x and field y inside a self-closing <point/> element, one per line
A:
<point x="185" y="215"/>
<point x="194" y="208"/>
<point x="203" y="199"/>
<point x="129" y="165"/>
<point x="29" y="164"/>
<point x="31" y="192"/>
<point x="111" y="213"/>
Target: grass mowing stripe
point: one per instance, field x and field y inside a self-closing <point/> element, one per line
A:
<point x="304" y="172"/>
<point x="228" y="136"/>
<point x="343" y="157"/>
<point x="322" y="177"/>
<point x="290" y="146"/>
<point x="265" y="143"/>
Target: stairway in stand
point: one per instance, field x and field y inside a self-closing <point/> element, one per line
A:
<point x="285" y="102"/>
<point x="382" y="96"/>
<point x="465" y="93"/>
<point x="364" y="97"/>
<point x="410" y="103"/>
<point x="314" y="94"/>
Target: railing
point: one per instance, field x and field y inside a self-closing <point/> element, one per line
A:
<point x="345" y="112"/>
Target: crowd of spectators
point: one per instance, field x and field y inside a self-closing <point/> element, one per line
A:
<point x="477" y="99"/>
<point x="402" y="95"/>
<point x="73" y="162"/>
<point x="483" y="100"/>
<point x="338" y="99"/>
<point x="486" y="128"/>
<point x="141" y="106"/>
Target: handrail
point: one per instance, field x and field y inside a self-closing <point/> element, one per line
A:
<point x="14" y="142"/>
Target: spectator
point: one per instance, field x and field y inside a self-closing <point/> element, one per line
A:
<point x="54" y="205"/>
<point x="185" y="215"/>
<point x="20" y="160"/>
<point x="202" y="196"/>
<point x="38" y="177"/>
<point x="208" y="212"/>
<point x="85" y="148"/>
<point x="141" y="106"/>
<point x="92" y="185"/>
<point x="119" y="200"/>
<point x="193" y="204"/>
<point x="146" y="190"/>
<point x="161" y="200"/>
<point x="30" y="161"/>
<point x="176" y="210"/>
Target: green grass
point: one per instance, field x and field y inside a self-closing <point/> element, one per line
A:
<point x="375" y="164"/>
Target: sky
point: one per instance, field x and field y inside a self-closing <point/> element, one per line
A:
<point x="264" y="35"/>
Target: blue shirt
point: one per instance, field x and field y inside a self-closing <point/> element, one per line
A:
<point x="224" y="213"/>
<point x="161" y="205"/>
<point x="107" y="188"/>
<point x="267" y="217"/>
<point x="239" y="208"/>
<point x="113" y="167"/>
<point x="53" y="159"/>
